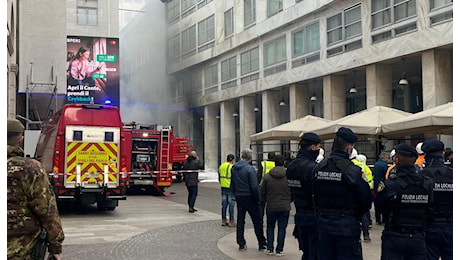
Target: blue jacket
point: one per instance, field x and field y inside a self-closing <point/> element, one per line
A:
<point x="244" y="180"/>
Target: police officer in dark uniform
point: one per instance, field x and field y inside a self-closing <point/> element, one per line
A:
<point x="300" y="176"/>
<point x="341" y="196"/>
<point x="439" y="230"/>
<point x="404" y="199"/>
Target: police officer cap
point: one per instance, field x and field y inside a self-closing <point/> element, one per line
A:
<point x="15" y="126"/>
<point x="432" y="146"/>
<point x="230" y="157"/>
<point x="311" y="137"/>
<point x="347" y="135"/>
<point x="406" y="148"/>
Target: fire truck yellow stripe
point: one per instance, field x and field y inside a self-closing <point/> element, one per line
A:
<point x="92" y="157"/>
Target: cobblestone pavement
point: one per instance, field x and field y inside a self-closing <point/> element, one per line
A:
<point x="196" y="240"/>
<point x="148" y="227"/>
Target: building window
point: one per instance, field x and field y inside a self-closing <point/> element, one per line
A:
<point x="228" y="69"/>
<point x="188" y="38"/>
<point x="203" y="3"/>
<point x="391" y="11"/>
<point x="306" y="40"/>
<point x="174" y="48"/>
<point x="250" y="61"/>
<point x="211" y="78"/>
<point x="206" y="33"/>
<point x="275" y="51"/>
<point x="188" y="7"/>
<point x="249" y="12"/>
<point x="87" y="12"/>
<point x="439" y="3"/>
<point x="274" y="7"/>
<point x="173" y="11"/>
<point x="228" y="21"/>
<point x="441" y="11"/>
<point x="344" y="25"/>
<point x="392" y="18"/>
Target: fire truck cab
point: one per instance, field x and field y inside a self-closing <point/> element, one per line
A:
<point x="82" y="148"/>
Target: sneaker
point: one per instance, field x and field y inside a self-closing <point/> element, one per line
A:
<point x="243" y="248"/>
<point x="280" y="254"/>
<point x="269" y="252"/>
<point x="262" y="247"/>
<point x="367" y="239"/>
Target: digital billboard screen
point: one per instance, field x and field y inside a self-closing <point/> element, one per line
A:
<point x="93" y="73"/>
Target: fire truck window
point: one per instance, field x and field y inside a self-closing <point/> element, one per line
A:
<point x="77" y="135"/>
<point x="108" y="136"/>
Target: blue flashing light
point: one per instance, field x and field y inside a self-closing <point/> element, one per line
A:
<point x="107" y="102"/>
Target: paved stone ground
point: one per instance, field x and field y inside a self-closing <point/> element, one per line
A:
<point x="172" y="233"/>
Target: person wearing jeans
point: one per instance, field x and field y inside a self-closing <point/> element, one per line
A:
<point x="228" y="199"/>
<point x="276" y="192"/>
<point x="247" y="193"/>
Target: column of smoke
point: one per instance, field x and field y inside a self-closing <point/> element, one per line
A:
<point x="144" y="92"/>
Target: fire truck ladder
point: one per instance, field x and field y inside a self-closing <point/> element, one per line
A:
<point x="165" y="151"/>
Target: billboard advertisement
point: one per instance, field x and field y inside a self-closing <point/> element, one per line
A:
<point x="93" y="73"/>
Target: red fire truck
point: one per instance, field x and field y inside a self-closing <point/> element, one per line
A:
<point x="82" y="147"/>
<point x="153" y="154"/>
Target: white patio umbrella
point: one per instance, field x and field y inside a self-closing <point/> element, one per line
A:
<point x="290" y="130"/>
<point x="366" y="122"/>
<point x="437" y="120"/>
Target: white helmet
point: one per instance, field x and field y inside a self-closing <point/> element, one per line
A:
<point x="392" y="153"/>
<point x="419" y="148"/>
<point x="353" y="153"/>
<point x="361" y="158"/>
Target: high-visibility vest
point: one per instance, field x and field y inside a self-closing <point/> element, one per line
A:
<point x="225" y="174"/>
<point x="266" y="167"/>
<point x="367" y="172"/>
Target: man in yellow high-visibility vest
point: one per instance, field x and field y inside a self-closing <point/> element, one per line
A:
<point x="228" y="198"/>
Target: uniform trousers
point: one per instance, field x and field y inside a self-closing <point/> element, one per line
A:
<point x="397" y="245"/>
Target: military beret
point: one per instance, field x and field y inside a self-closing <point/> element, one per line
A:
<point x="15" y="126"/>
<point x="432" y="146"/>
<point x="406" y="148"/>
<point x="311" y="137"/>
<point x="347" y="135"/>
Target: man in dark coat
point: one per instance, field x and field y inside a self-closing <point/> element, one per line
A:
<point x="191" y="178"/>
<point x="404" y="198"/>
<point x="439" y="230"/>
<point x="341" y="195"/>
<point x="275" y="191"/>
<point x="300" y="173"/>
<point x="245" y="186"/>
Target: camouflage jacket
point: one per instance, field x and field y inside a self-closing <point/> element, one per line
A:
<point x="31" y="204"/>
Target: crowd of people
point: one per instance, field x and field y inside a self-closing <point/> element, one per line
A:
<point x="333" y="198"/>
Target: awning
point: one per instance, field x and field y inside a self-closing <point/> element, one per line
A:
<point x="437" y="120"/>
<point x="366" y="122"/>
<point x="290" y="130"/>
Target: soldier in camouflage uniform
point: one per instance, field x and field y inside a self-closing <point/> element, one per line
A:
<point x="31" y="201"/>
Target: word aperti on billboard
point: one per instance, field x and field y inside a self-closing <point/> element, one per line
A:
<point x="93" y="73"/>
